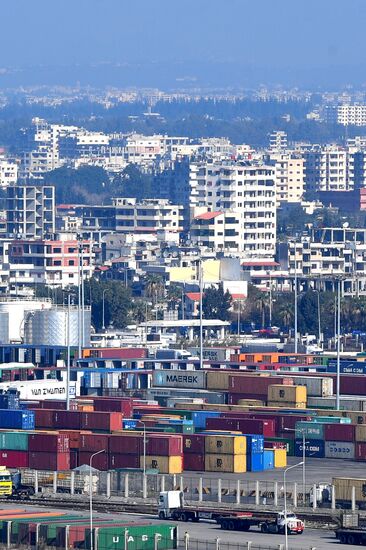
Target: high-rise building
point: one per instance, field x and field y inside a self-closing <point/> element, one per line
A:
<point x="30" y="211"/>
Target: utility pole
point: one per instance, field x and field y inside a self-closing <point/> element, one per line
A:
<point x="201" y="313"/>
<point x="338" y="346"/>
<point x="295" y="299"/>
<point x="68" y="355"/>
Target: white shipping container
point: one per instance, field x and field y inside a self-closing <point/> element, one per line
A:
<point x="214" y="354"/>
<point x="340" y="449"/>
<point x="42" y="389"/>
<point x="316" y="387"/>
<point x="170" y="378"/>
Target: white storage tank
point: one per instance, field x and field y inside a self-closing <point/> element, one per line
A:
<point x="16" y="310"/>
<point x="49" y="327"/>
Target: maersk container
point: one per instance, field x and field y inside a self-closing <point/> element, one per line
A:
<point x="139" y="537"/>
<point x="340" y="449"/>
<point x="17" y="419"/>
<point x="268" y="459"/>
<point x="14" y="441"/>
<point x="314" y="448"/>
<point x="255" y="462"/>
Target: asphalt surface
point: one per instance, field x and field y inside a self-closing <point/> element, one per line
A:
<point x="208" y="531"/>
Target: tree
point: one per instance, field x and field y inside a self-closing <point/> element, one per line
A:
<point x="86" y="185"/>
<point x="154" y="287"/>
<point x="216" y="304"/>
<point x="174" y="296"/>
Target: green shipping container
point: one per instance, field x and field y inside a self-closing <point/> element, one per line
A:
<point x="312" y="430"/>
<point x="139" y="537"/>
<point x="14" y="441"/>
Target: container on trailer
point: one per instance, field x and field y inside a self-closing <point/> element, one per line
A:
<point x="227" y="463"/>
<point x="165" y="464"/>
<point x="343" y="488"/>
<point x="216" y="444"/>
<point x="314" y="448"/>
<point x="340" y="449"/>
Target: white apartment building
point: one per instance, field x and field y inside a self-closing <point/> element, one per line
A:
<point x="219" y="231"/>
<point x="278" y="141"/>
<point x="8" y="172"/>
<point x="290" y="177"/>
<point x="354" y="115"/>
<point x="148" y="216"/>
<point x="327" y="169"/>
<point x="246" y="190"/>
<point x="326" y="255"/>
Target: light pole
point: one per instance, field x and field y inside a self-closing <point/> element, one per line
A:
<point x="303" y="459"/>
<point x="285" y="489"/>
<point x="103" y="308"/>
<point x="319" y="324"/>
<point x="338" y="346"/>
<point x="91" y="495"/>
<point x="144" y="448"/>
<point x="68" y="355"/>
<point x="239" y="312"/>
<point x="201" y="313"/>
<point x="295" y="298"/>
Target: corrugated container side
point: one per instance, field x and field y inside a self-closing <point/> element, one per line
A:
<point x="165" y="464"/>
<point x="340" y="449"/>
<point x="287" y="394"/>
<point x="194" y="462"/>
<point x="14" y="459"/>
<point x="100" y="462"/>
<point x="314" y="448"/>
<point x="339" y="432"/>
<point x="14" y="441"/>
<point x="225" y="463"/>
<point x="217" y="444"/>
<point x="49" y="443"/>
<point x="255" y="385"/>
<point x="164" y="445"/>
<point x="280" y="458"/>
<point x="126" y="444"/>
<point x="103" y="421"/>
<point x="194" y="443"/>
<point x="125" y="406"/>
<point x="255" y="462"/>
<point x="94" y="442"/>
<point x="123" y="461"/>
<point x="49" y="461"/>
<point x="343" y="488"/>
<point x="360" y="432"/>
<point x="268" y="459"/>
<point x="310" y="430"/>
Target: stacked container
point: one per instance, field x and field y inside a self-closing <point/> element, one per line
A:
<point x="280" y="395"/>
<point x="255" y="453"/>
<point x="49" y="451"/>
<point x="225" y="453"/>
<point x="164" y="453"/>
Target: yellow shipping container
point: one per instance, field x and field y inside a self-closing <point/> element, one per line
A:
<point x="234" y="464"/>
<point x="165" y="464"/>
<point x="287" y="394"/>
<point x="361" y="432"/>
<point x="218" y="380"/>
<point x="286" y="405"/>
<point x="280" y="458"/>
<point x="226" y="444"/>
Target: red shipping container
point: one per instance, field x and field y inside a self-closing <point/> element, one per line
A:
<point x="49" y="461"/>
<point x="123" y="461"/>
<point x="94" y="442"/>
<point x="126" y="444"/>
<point x="274" y="445"/>
<point x="14" y="459"/>
<point x="193" y="444"/>
<point x="244" y="425"/>
<point x="164" y="445"/>
<point x="115" y="405"/>
<point x="100" y="462"/>
<point x="74" y="437"/>
<point x="44" y="418"/>
<point x="48" y="443"/>
<point x="194" y="462"/>
<point x="74" y="459"/>
<point x="67" y="420"/>
<point x="360" y="451"/>
<point x="101" y="421"/>
<point x="339" y="432"/>
<point x="255" y="385"/>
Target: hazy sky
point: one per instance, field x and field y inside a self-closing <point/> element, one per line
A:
<point x="281" y="34"/>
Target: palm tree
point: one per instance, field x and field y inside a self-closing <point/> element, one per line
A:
<point x="154" y="288"/>
<point x="286" y="314"/>
<point x="262" y="304"/>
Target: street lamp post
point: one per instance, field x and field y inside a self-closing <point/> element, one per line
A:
<point x="239" y="312"/>
<point x="303" y="460"/>
<point x="295" y="298"/>
<point x="144" y="448"/>
<point x="91" y="495"/>
<point x="285" y="489"/>
<point x="103" y="308"/>
<point x="338" y="346"/>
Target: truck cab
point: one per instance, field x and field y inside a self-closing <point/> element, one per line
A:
<point x="294" y="524"/>
<point x="169" y="501"/>
<point x="6" y="482"/>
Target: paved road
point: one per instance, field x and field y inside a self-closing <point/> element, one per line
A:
<point x="311" y="538"/>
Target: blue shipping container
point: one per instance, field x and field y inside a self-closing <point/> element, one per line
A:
<point x="268" y="459"/>
<point x="255" y="443"/>
<point x="314" y="448"/>
<point x="129" y="423"/>
<point x="199" y="418"/>
<point x="19" y="419"/>
<point x="255" y="462"/>
<point x="347" y="367"/>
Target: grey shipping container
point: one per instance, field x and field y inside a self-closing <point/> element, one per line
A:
<point x="340" y="449"/>
<point x="169" y="378"/>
